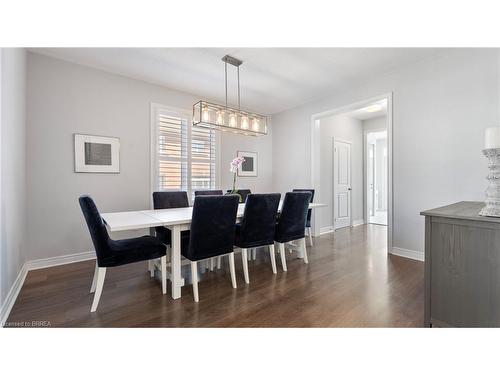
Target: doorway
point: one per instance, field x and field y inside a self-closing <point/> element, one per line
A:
<point x="376" y="177"/>
<point x="350" y="206"/>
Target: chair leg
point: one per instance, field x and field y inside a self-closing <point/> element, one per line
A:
<point x="212" y="261"/>
<point x="303" y="244"/>
<point x="254" y="253"/>
<point x="273" y="258"/>
<point x="101" y="274"/>
<point x="163" y="260"/>
<point x="151" y="268"/>
<point x="231" y="269"/>
<point x="249" y="255"/>
<point x="310" y="236"/>
<point x="281" y="246"/>
<point x="94" y="280"/>
<point x="244" y="260"/>
<point x="219" y="262"/>
<point x="194" y="278"/>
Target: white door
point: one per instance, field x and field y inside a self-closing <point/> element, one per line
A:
<point x="341" y="184"/>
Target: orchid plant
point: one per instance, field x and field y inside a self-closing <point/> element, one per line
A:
<point x="234" y="166"/>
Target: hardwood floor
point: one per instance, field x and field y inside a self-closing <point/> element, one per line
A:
<point x="349" y="282"/>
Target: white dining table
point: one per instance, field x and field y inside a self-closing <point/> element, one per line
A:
<point x="175" y="219"/>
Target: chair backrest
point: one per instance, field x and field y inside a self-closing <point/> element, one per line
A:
<point x="292" y="221"/>
<point x="258" y="225"/>
<point x="212" y="226"/>
<point x="97" y="229"/>
<point x="170" y="199"/>
<point x="309" y="212"/>
<point x="208" y="192"/>
<point x="243" y="192"/>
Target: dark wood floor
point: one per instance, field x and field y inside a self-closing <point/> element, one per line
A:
<point x="349" y="282"/>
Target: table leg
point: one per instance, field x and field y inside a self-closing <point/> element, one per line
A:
<point x="151" y="263"/>
<point x="175" y="259"/>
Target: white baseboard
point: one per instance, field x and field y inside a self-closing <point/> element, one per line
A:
<point x="358" y="222"/>
<point x="35" y="265"/>
<point x="405" y="253"/>
<point x="329" y="229"/>
<point x="325" y="230"/>
<point x="12" y="295"/>
<point x="59" y="260"/>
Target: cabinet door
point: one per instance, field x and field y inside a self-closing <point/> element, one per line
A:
<point x="465" y="274"/>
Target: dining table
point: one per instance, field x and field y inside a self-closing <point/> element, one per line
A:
<point x="174" y="219"/>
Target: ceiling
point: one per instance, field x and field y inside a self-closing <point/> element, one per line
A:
<point x="272" y="79"/>
<point x="372" y="110"/>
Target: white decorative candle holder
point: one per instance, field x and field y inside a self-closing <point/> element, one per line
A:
<point x="492" y="201"/>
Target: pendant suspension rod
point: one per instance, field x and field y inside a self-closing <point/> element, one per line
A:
<point x="234" y="62"/>
<point x="225" y="79"/>
<point x="239" y="106"/>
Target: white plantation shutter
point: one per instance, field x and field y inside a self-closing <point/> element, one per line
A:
<point x="202" y="159"/>
<point x="184" y="156"/>
<point x="172" y="152"/>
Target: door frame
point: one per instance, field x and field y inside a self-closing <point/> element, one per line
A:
<point x="338" y="139"/>
<point x="366" y="215"/>
<point x="315" y="158"/>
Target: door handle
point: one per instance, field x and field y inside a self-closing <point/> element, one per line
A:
<point x="349" y="189"/>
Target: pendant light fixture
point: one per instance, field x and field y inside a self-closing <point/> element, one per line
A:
<point x="225" y="118"/>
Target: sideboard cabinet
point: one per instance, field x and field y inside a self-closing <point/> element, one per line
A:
<point x="462" y="267"/>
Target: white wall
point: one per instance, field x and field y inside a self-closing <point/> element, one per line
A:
<point x="65" y="98"/>
<point x="376" y="123"/>
<point x="348" y="129"/>
<point x="440" y="110"/>
<point x="231" y="144"/>
<point x="13" y="167"/>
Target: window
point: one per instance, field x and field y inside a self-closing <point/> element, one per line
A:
<point x="183" y="157"/>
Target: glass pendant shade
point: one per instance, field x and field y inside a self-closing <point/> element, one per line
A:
<point x="220" y="117"/>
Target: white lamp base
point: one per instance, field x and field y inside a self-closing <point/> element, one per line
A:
<point x="492" y="201"/>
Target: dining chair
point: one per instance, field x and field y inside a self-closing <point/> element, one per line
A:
<point x="212" y="233"/>
<point x="257" y="227"/>
<point x="197" y="193"/>
<point x="309" y="212"/>
<point x="114" y="253"/>
<point x="168" y="199"/>
<point x="243" y="193"/>
<point x="292" y="223"/>
<point x="210" y="262"/>
<point x="163" y="200"/>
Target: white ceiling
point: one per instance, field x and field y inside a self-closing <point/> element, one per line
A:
<point x="272" y="79"/>
<point x="371" y="110"/>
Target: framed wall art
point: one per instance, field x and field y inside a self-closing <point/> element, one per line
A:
<point x="96" y="154"/>
<point x="249" y="166"/>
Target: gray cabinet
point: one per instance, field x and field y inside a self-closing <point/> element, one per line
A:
<point x="462" y="267"/>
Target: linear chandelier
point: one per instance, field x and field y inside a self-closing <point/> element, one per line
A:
<point x="228" y="119"/>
